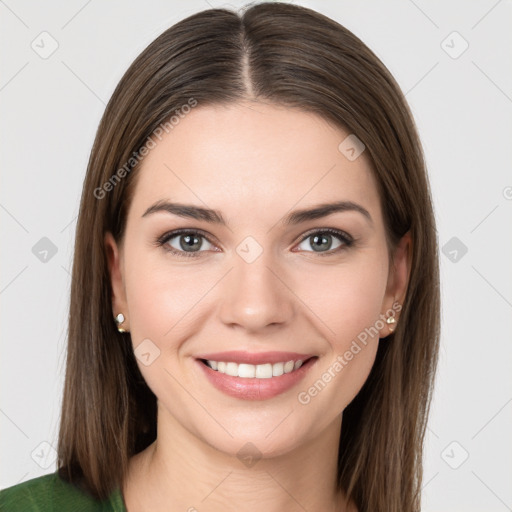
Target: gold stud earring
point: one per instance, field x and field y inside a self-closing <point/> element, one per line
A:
<point x="119" y="320"/>
<point x="390" y="320"/>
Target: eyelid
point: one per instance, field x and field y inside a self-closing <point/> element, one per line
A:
<point x="332" y="231"/>
<point x="169" y="235"/>
<point x="346" y="239"/>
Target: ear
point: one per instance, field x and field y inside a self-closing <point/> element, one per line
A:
<point x="398" y="280"/>
<point x="116" y="270"/>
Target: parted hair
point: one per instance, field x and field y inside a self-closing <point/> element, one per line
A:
<point x="292" y="56"/>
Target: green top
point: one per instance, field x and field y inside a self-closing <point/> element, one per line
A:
<point x="50" y="493"/>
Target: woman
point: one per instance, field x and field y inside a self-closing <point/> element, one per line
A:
<point x="254" y="318"/>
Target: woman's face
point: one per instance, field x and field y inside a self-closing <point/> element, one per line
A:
<point x="255" y="281"/>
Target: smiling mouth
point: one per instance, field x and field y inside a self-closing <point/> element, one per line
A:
<point x="256" y="371"/>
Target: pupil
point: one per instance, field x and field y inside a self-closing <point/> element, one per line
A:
<point x="191" y="242"/>
<point x="319" y="240"/>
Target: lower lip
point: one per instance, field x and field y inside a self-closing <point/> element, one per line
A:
<point x="255" y="389"/>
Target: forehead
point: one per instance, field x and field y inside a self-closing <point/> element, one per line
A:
<point x="252" y="157"/>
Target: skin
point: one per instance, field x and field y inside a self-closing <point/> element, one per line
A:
<point x="254" y="163"/>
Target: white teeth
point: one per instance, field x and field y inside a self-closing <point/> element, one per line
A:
<point x="263" y="371"/>
<point x="277" y="369"/>
<point x="258" y="371"/>
<point x="247" y="371"/>
<point x="232" y="369"/>
<point x="288" y="366"/>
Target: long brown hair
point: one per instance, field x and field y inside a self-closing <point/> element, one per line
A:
<point x="292" y="56"/>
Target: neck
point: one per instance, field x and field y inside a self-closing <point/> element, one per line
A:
<point x="181" y="472"/>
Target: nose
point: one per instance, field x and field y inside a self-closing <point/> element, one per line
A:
<point x="255" y="296"/>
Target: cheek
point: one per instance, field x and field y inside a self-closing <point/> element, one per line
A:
<point x="357" y="307"/>
<point x="161" y="298"/>
<point x="162" y="315"/>
<point x="347" y="298"/>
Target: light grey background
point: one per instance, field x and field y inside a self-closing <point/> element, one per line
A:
<point x="462" y="103"/>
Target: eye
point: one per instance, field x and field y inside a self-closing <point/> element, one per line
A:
<point x="187" y="243"/>
<point x="191" y="243"/>
<point x="322" y="244"/>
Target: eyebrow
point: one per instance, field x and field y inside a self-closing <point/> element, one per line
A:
<point x="293" y="218"/>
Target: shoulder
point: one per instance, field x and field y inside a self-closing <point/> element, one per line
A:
<point x="50" y="493"/>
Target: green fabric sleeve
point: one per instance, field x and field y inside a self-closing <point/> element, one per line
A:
<point x="50" y="493"/>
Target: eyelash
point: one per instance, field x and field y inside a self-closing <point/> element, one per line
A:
<point x="161" y="241"/>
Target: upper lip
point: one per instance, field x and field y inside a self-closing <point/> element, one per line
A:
<point x="241" y="357"/>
